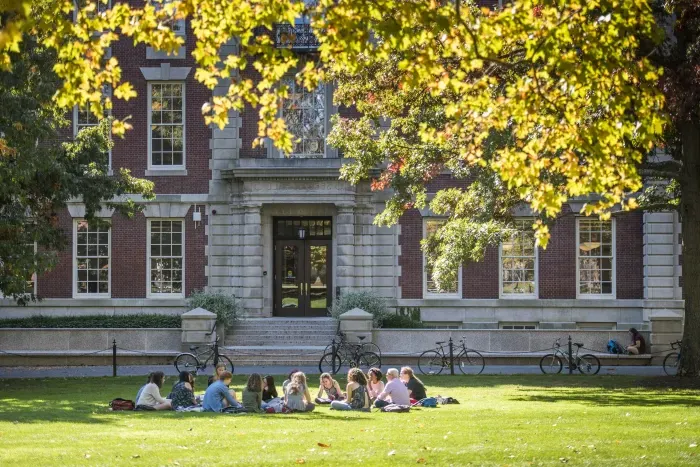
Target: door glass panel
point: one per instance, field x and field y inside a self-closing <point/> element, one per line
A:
<point x="290" y="276"/>
<point x="318" y="277"/>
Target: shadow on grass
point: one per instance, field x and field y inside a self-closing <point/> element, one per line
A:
<point x="619" y="398"/>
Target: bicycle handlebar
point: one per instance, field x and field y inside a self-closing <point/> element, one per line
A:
<point x="675" y="345"/>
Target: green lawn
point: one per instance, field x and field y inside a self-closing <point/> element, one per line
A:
<point x="502" y="420"/>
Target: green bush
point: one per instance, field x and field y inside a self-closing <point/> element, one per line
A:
<point x="94" y="321"/>
<point x="363" y="299"/>
<point x="225" y="307"/>
<point x="404" y="318"/>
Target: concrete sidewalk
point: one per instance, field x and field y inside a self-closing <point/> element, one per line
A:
<point x="143" y="370"/>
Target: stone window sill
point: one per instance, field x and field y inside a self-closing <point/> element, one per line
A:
<point x="153" y="54"/>
<point x="166" y="172"/>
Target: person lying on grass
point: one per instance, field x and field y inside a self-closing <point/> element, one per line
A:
<point x="150" y="396"/>
<point x="375" y="385"/>
<point x="395" y="392"/>
<point x="182" y="394"/>
<point x="331" y="388"/>
<point x="416" y="388"/>
<point x="356" y="391"/>
<point x="252" y="394"/>
<point x="217" y="396"/>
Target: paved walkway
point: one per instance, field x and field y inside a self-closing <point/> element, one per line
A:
<point x="143" y="370"/>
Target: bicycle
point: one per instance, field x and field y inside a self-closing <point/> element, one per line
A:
<point x="672" y="361"/>
<point x="587" y="364"/>
<point x="469" y="361"/>
<point x="200" y="359"/>
<point x="346" y="348"/>
<point x="352" y="354"/>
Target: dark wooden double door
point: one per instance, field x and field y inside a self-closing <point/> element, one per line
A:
<point x="302" y="277"/>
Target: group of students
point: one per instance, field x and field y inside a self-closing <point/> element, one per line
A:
<point x="260" y="395"/>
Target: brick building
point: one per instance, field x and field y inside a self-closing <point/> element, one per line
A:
<point x="286" y="236"/>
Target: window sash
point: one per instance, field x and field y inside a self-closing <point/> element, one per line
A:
<point x="166" y="257"/>
<point x="429" y="289"/>
<point x="91" y="260"/>
<point x="595" y="258"/>
<point x="518" y="263"/>
<point x="306" y="114"/>
<point x="166" y="125"/>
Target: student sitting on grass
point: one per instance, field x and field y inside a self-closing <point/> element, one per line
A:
<point x="394" y="392"/>
<point x="416" y="388"/>
<point x="217" y="396"/>
<point x="269" y="390"/>
<point x="331" y="388"/>
<point x="299" y="379"/>
<point x="288" y="380"/>
<point x="358" y="399"/>
<point x="375" y="385"/>
<point x="218" y="369"/>
<point x="150" y="396"/>
<point x="252" y="394"/>
<point x="182" y="394"/>
<point x="148" y="380"/>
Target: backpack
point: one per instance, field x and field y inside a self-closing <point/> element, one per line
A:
<point x="396" y="408"/>
<point x="447" y="400"/>
<point x="427" y="402"/>
<point x="614" y="347"/>
<point x="122" y="404"/>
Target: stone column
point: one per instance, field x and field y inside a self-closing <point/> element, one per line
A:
<point x="252" y="270"/>
<point x="364" y="239"/>
<point x="666" y="327"/>
<point x="661" y="249"/>
<point x="345" y="241"/>
<point x="195" y="326"/>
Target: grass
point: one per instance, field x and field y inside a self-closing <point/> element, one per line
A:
<point x="502" y="420"/>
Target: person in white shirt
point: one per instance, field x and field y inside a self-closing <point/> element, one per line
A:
<point x="150" y="396"/>
<point x="394" y="392"/>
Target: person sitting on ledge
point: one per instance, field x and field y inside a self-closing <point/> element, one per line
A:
<point x="217" y="396"/>
<point x="150" y="396"/>
<point x="394" y="392"/>
<point x="416" y="388"/>
<point x="638" y="345"/>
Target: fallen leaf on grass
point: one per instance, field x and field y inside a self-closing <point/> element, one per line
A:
<point x="301" y="461"/>
<point x="324" y="445"/>
<point x="87" y="456"/>
<point x="135" y="456"/>
<point x="391" y="453"/>
<point x="563" y="460"/>
<point x="420" y="460"/>
<point x="693" y="445"/>
<point x="644" y="456"/>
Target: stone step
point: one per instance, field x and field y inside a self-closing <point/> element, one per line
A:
<point x="277" y="327"/>
<point x="280" y="340"/>
<point x="274" y="335"/>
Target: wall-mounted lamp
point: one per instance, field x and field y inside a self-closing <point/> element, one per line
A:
<point x="302" y="233"/>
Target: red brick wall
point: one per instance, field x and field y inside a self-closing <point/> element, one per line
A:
<point x="195" y="258"/>
<point x="557" y="264"/>
<point x="132" y="151"/>
<point x="129" y="256"/>
<point x="57" y="283"/>
<point x="480" y="279"/>
<point x="629" y="257"/>
<point x="411" y="259"/>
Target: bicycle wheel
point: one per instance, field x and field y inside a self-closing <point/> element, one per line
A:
<point x="329" y="363"/>
<point x="186" y="362"/>
<point x="369" y="360"/>
<point x="430" y="363"/>
<point x="371" y="347"/>
<point x="226" y="360"/>
<point x="588" y="364"/>
<point x="551" y="364"/>
<point x="470" y="362"/>
<point x="671" y="363"/>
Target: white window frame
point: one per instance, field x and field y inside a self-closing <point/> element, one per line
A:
<point x="614" y="263"/>
<point x="184" y="128"/>
<point x="76" y="125"/>
<point x="536" y="294"/>
<point x="76" y="295"/>
<point x="150" y="294"/>
<point x="432" y="295"/>
<point x="98" y="4"/>
<point x="518" y="326"/>
<point x="181" y="23"/>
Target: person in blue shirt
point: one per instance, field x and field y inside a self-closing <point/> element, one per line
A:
<point x="217" y="396"/>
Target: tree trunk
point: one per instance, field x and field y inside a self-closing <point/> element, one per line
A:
<point x="690" y="221"/>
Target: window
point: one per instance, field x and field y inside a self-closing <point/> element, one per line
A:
<point x="454" y="290"/>
<point x="518" y="327"/>
<point x="519" y="262"/>
<point x="166" y="125"/>
<point x="305" y="115"/>
<point x="177" y="26"/>
<point x="92" y="258"/>
<point x="84" y="118"/>
<point x="595" y="246"/>
<point x="166" y="258"/>
<point x="101" y="6"/>
<point x="596" y="326"/>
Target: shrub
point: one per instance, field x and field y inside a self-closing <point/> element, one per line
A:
<point x="225" y="307"/>
<point x="94" y="321"/>
<point x="404" y="318"/>
<point x="363" y="299"/>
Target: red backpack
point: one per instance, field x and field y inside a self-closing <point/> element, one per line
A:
<point x="122" y="404"/>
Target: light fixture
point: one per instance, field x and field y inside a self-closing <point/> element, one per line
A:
<point x="302" y="233"/>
